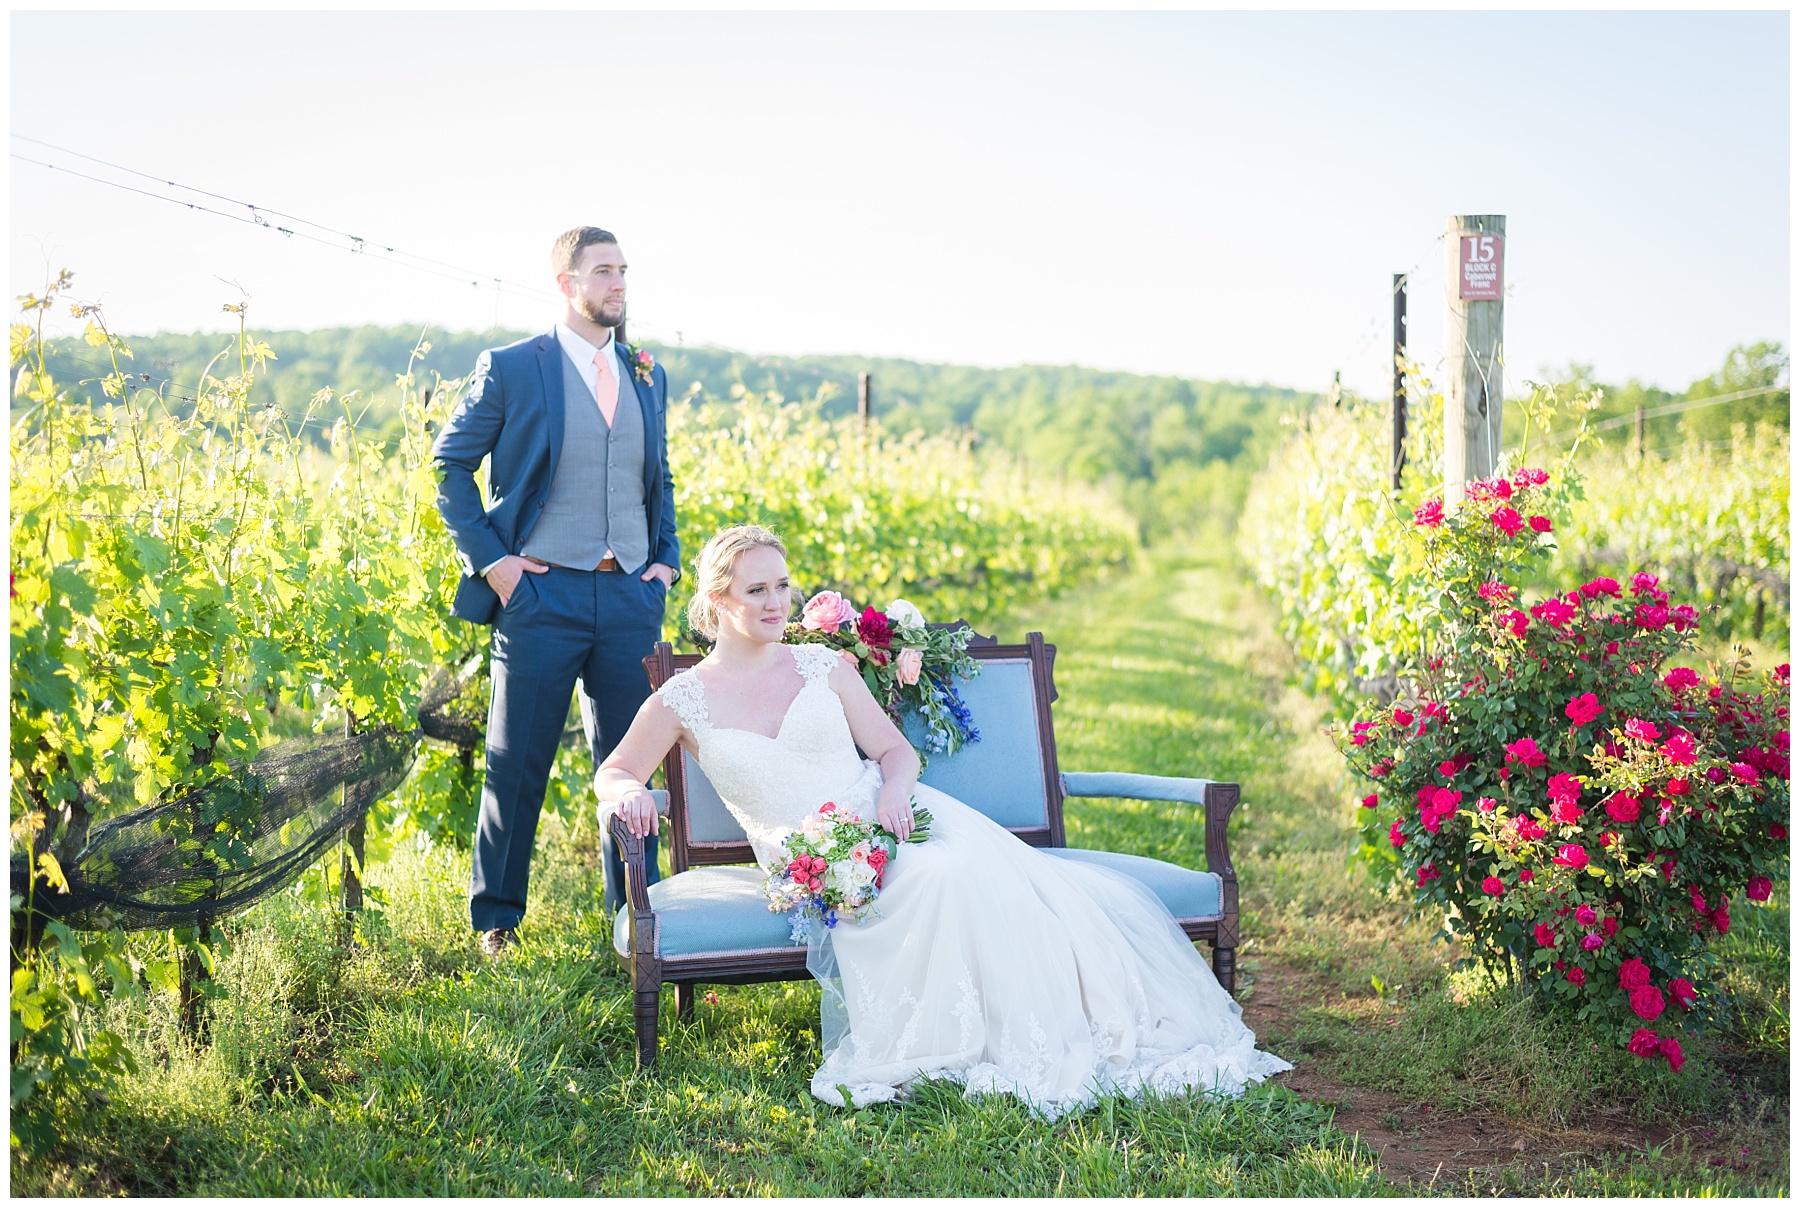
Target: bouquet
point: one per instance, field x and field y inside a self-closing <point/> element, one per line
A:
<point x="905" y="663"/>
<point x="835" y="863"/>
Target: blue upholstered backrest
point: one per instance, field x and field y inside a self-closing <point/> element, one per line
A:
<point x="708" y="819"/>
<point x="1001" y="775"/>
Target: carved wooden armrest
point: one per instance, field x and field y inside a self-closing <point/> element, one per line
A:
<point x="1219" y="798"/>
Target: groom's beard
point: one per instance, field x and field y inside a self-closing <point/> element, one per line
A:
<point x="596" y="313"/>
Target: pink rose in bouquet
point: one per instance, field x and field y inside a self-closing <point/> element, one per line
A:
<point x="826" y="611"/>
<point x="908" y="665"/>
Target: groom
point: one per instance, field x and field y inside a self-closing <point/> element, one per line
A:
<point x="570" y="563"/>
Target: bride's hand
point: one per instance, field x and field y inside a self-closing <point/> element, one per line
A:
<point x="896" y="817"/>
<point x="638" y="808"/>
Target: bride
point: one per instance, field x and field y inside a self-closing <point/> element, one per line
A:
<point x="990" y="963"/>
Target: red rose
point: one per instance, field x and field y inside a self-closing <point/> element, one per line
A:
<point x="1494" y="886"/>
<point x="1368" y="802"/>
<point x="1585" y="915"/>
<point x="1647" y="1003"/>
<point x="1427" y="873"/>
<point x="1545" y="937"/>
<point x="1777" y="831"/>
<point x="1759" y="889"/>
<point x="1642" y="1043"/>
<point x="1584" y="708"/>
<point x="1744" y="772"/>
<point x="1571" y="855"/>
<point x="1621" y="807"/>
<point x="1525" y="752"/>
<point x="1721" y="919"/>
<point x="1680" y="679"/>
<point x="1525" y="876"/>
<point x="1609" y="926"/>
<point x="1540" y="524"/>
<point x="1430" y="514"/>
<point x="1601" y="587"/>
<point x="1677" y="787"/>
<point x="1564" y="787"/>
<point x="1642" y="730"/>
<point x="1554" y="612"/>
<point x="1671" y="1049"/>
<point x="1394" y="835"/>
<point x="1402" y="718"/>
<point x="1576" y="977"/>
<point x="1633" y="974"/>
<point x="874" y="628"/>
<point x="1507" y="520"/>
<point x="1682" y="991"/>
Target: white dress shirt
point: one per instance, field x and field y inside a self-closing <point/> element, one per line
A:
<point x="581" y="355"/>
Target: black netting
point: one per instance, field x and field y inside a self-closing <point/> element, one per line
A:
<point x="219" y="848"/>
<point x="453" y="707"/>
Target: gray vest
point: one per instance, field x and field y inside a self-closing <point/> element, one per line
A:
<point x="596" y="500"/>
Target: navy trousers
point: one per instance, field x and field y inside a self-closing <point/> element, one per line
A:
<point x="560" y="627"/>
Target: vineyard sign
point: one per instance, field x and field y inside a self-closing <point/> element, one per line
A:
<point x="1479" y="277"/>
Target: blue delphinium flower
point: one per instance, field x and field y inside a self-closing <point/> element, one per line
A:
<point x="959" y="713"/>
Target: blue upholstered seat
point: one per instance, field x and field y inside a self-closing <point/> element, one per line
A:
<point x="1188" y="893"/>
<point x="718" y="909"/>
<point x="723" y="910"/>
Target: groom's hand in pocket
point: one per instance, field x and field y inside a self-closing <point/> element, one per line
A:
<point x="657" y="570"/>
<point x="504" y="575"/>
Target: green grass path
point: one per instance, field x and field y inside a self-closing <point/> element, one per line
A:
<point x="415" y="1069"/>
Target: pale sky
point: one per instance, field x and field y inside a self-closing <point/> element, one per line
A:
<point x="1219" y="195"/>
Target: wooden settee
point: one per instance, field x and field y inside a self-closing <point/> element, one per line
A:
<point x="708" y="922"/>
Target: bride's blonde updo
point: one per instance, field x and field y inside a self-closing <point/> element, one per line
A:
<point x="718" y="562"/>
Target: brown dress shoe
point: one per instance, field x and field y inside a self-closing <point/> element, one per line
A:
<point x="494" y="942"/>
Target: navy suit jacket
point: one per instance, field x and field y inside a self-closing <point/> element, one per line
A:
<point x="513" y="413"/>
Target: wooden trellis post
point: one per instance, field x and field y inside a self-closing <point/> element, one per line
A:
<point x="1475" y="247"/>
<point x="350" y="858"/>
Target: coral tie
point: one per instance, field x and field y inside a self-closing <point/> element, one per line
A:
<point x="606" y="384"/>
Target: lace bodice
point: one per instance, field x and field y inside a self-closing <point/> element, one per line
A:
<point x="769" y="784"/>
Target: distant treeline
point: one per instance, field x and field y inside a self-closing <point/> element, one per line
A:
<point x="1177" y="451"/>
<point x="1751" y="386"/>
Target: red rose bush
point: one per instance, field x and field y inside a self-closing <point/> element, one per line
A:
<point x="1583" y="813"/>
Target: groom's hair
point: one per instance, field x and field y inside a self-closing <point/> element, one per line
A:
<point x="567" y="248"/>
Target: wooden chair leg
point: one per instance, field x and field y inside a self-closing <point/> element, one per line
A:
<point x="1224" y="964"/>
<point x="684" y="1001"/>
<point x="646" y="1002"/>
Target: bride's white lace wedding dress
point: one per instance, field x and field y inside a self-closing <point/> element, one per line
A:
<point x="992" y="963"/>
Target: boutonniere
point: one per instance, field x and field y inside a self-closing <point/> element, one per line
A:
<point x="642" y="363"/>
